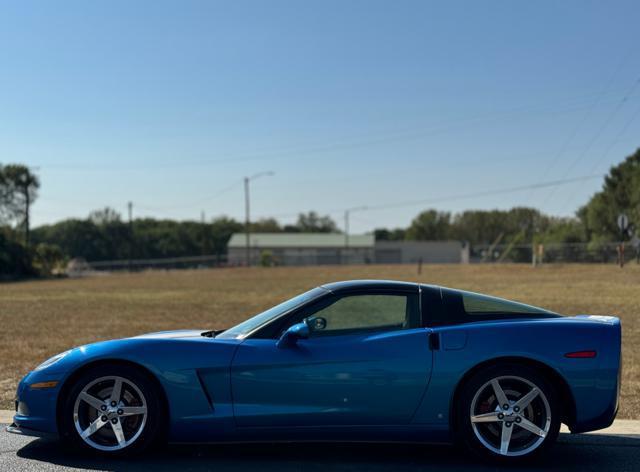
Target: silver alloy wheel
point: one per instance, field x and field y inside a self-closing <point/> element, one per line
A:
<point x="113" y="401"/>
<point x="510" y="416"/>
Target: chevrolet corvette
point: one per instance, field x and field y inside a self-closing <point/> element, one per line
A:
<point x="346" y="361"/>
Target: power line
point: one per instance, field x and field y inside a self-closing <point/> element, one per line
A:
<point x="585" y="116"/>
<point x="221" y="192"/>
<point x="454" y="197"/>
<point x="621" y="133"/>
<point x="597" y="135"/>
<point x="350" y="143"/>
<point x="615" y="140"/>
<point x="553" y="183"/>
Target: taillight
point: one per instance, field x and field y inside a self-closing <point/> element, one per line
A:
<point x="581" y="355"/>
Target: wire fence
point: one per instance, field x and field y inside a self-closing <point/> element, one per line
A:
<point x="605" y="253"/>
<point x="609" y="252"/>
<point x="79" y="266"/>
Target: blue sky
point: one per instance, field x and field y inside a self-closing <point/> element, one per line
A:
<point x="350" y="103"/>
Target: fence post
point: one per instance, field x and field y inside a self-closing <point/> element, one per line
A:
<point x="620" y="248"/>
<point x="533" y="255"/>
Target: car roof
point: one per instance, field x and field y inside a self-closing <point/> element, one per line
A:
<point x="346" y="285"/>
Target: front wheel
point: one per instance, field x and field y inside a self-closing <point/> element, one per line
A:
<point x="508" y="413"/>
<point x="112" y="409"/>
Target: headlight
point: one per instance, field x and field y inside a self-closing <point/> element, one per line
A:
<point x="52" y="360"/>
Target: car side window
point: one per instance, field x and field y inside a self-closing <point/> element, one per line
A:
<point x="363" y="313"/>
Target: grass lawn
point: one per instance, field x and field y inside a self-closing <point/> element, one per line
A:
<point x="41" y="318"/>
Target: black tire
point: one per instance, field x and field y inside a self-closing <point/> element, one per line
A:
<point x="150" y="426"/>
<point x="479" y="387"/>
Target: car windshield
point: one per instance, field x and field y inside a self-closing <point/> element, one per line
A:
<point x="243" y="329"/>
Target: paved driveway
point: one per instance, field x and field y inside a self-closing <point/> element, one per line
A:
<point x="593" y="452"/>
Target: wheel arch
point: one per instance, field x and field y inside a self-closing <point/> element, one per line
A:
<point x="567" y="400"/>
<point x="70" y="380"/>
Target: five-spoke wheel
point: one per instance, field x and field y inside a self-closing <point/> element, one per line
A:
<point x="510" y="415"/>
<point x="111" y="401"/>
<point x="112" y="409"/>
<point x="508" y="412"/>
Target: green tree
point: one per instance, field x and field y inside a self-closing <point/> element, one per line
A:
<point x="221" y="230"/>
<point x="563" y="230"/>
<point x="384" y="234"/>
<point x="6" y="196"/>
<point x="313" y="223"/>
<point x="620" y="194"/>
<point x="486" y="226"/>
<point x="19" y="190"/>
<point x="76" y="238"/>
<point x="106" y="216"/>
<point x="266" y="225"/>
<point x="430" y="225"/>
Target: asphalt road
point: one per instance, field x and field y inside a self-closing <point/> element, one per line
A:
<point x="573" y="453"/>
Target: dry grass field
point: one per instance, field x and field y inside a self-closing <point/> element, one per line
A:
<point x="41" y="318"/>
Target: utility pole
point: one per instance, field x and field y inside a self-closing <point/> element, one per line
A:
<point x="27" y="209"/>
<point x="130" y="206"/>
<point x="204" y="233"/>
<point x="247" y="218"/>
<point x="247" y="230"/>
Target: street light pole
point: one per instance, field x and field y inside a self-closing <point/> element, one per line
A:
<point x="247" y="218"/>
<point x="347" y="214"/>
<point x="346" y="229"/>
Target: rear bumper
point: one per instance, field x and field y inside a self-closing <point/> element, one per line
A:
<point x="603" y="421"/>
<point x="597" y="406"/>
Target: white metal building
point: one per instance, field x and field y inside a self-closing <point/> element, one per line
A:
<point x="302" y="248"/>
<point x="334" y="248"/>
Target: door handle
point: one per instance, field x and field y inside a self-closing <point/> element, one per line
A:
<point x="434" y="341"/>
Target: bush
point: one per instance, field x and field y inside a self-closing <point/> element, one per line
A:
<point x="266" y="259"/>
<point x="15" y="261"/>
<point x="48" y="259"/>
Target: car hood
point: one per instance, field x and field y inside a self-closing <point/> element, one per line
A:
<point x="180" y="333"/>
<point x="156" y="351"/>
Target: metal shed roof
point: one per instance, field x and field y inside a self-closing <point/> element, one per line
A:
<point x="298" y="240"/>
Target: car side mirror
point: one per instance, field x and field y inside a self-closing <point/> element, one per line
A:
<point x="316" y="323"/>
<point x="292" y="334"/>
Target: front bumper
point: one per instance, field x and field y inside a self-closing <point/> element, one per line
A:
<point x="21" y="430"/>
<point x="36" y="408"/>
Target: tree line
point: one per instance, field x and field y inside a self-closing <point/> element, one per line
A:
<point x="594" y="223"/>
<point x="104" y="235"/>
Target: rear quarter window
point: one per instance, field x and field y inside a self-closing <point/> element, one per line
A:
<point x="478" y="305"/>
<point x="445" y="306"/>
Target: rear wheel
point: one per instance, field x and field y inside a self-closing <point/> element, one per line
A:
<point x="112" y="409"/>
<point x="508" y="413"/>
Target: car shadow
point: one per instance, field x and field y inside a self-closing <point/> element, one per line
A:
<point x="579" y="453"/>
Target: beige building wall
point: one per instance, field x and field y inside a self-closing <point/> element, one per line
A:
<point x="430" y="252"/>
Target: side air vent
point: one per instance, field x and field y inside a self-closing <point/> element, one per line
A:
<point x="205" y="391"/>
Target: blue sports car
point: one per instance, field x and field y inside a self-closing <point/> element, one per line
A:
<point x="347" y="361"/>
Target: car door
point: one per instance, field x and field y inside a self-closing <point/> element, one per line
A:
<point x="366" y="361"/>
